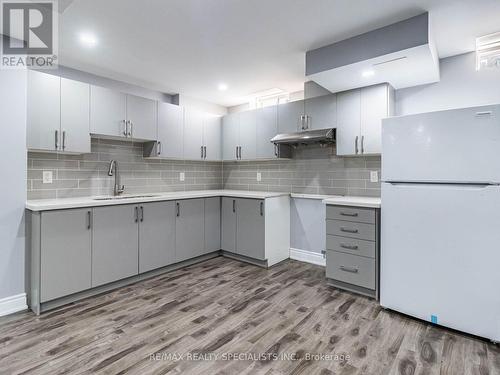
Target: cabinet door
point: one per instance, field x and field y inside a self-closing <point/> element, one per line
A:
<point x="193" y="134"/>
<point x="374" y="107"/>
<point x="171" y="130"/>
<point x="228" y="222"/>
<point x="75" y="116"/>
<point x="43" y="111"/>
<point x="108" y="112"/>
<point x="156" y="235"/>
<point x="248" y="135"/>
<point x="141" y="114"/>
<point x="250" y="230"/>
<point x="212" y="224"/>
<point x="230" y="135"/>
<point x="65" y="253"/>
<point x="348" y="122"/>
<point x="115" y="243"/>
<point x="321" y="112"/>
<point x="289" y="116"/>
<point x="189" y="229"/>
<point x="267" y="128"/>
<point x="212" y="136"/>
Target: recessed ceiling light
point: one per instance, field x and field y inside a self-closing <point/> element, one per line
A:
<point x="88" y="39"/>
<point x="222" y="87"/>
<point x="368" y="73"/>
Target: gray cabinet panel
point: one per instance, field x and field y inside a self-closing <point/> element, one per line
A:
<point x="230" y="135"/>
<point x="350" y="269"/>
<point x="267" y="128"/>
<point x="212" y="224"/>
<point x="289" y="116"/>
<point x="115" y="243"/>
<point x="170" y="131"/>
<point x="248" y="135"/>
<point x="321" y="112"/>
<point x="156" y="235"/>
<point x="108" y="112"/>
<point x="75" y="116"/>
<point x="228" y="230"/>
<point x="189" y="229"/>
<point x="250" y="229"/>
<point x="374" y="107"/>
<point x="348" y="122"/>
<point x="212" y="137"/>
<point x="351" y="246"/>
<point x="355" y="214"/>
<point x="141" y="113"/>
<point x="349" y="229"/>
<point x="65" y="253"/>
<point x="193" y="134"/>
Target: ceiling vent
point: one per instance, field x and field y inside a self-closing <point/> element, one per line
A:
<point x="488" y="51"/>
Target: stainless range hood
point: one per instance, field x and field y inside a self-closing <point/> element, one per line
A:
<point x="321" y="136"/>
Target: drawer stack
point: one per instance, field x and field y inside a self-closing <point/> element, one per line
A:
<point x="352" y="248"/>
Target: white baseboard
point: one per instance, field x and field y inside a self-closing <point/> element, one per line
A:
<point x="12" y="304"/>
<point x="307" y="256"/>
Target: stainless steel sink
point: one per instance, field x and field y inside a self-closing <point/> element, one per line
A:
<point x="124" y="197"/>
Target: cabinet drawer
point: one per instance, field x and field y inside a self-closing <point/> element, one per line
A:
<point x="351" y="246"/>
<point x="362" y="231"/>
<point x="350" y="269"/>
<point x="358" y="215"/>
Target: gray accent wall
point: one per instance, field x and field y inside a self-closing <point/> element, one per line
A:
<point x="84" y="175"/>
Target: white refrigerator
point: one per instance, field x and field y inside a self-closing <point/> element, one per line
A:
<point x="440" y="218"/>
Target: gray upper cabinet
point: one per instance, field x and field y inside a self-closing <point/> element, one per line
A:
<point x="267" y="128"/>
<point x="212" y="224"/>
<point x="250" y="228"/>
<point x="108" y="112"/>
<point x="290" y="116"/>
<point x="228" y="222"/>
<point x="212" y="137"/>
<point x="141" y="114"/>
<point x="65" y="253"/>
<point x="320" y="112"/>
<point x="75" y="116"/>
<point x="248" y="135"/>
<point x="230" y="136"/>
<point x="193" y="134"/>
<point x="156" y="235"/>
<point x="359" y="119"/>
<point x="189" y="229"/>
<point x="170" y="131"/>
<point x="115" y="242"/>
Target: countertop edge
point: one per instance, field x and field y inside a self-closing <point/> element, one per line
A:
<point x="352" y="203"/>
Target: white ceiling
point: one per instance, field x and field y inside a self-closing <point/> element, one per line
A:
<point x="190" y="46"/>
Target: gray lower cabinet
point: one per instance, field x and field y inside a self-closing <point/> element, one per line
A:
<point x="156" y="235"/>
<point x="228" y="221"/>
<point x="65" y="253"/>
<point x="250" y="229"/>
<point x="189" y="229"/>
<point x="115" y="243"/>
<point x="212" y="224"/>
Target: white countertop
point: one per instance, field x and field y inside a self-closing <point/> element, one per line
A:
<point x="62" y="203"/>
<point x="354" y="201"/>
<point x="313" y="196"/>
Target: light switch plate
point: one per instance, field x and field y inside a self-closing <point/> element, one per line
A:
<point x="182" y="176"/>
<point x="47" y="177"/>
<point x="373" y="176"/>
<point x="259" y="176"/>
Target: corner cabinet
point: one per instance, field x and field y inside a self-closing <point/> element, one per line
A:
<point x="359" y="119"/>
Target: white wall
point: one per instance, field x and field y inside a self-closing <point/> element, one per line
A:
<point x="200" y="105"/>
<point x="307" y="225"/>
<point x="460" y="86"/>
<point x="12" y="194"/>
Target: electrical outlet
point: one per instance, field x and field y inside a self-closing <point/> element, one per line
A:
<point x="47" y="177"/>
<point x="373" y="176"/>
<point x="182" y="176"/>
<point x="259" y="176"/>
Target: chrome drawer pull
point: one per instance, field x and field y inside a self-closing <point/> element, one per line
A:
<point x="484" y="113"/>
<point x="350" y="247"/>
<point x="347" y="230"/>
<point x="353" y="214"/>
<point x="349" y="269"/>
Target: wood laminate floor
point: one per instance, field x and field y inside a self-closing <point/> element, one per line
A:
<point x="164" y="325"/>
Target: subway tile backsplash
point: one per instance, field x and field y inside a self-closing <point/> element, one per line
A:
<point x="313" y="170"/>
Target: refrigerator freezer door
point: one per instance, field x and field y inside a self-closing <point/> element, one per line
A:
<point x="440" y="255"/>
<point x="461" y="145"/>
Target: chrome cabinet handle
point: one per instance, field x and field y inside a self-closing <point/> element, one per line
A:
<point x="356" y="145"/>
<point x="234" y="205"/>
<point x="239" y="152"/>
<point x="57" y="139"/>
<point x="261" y="208"/>
<point x="348" y="230"/>
<point x="236" y="152"/>
<point x="275" y="150"/>
<point x="362" y="144"/>
<point x="89" y="220"/>
<point x="64" y="139"/>
<point x="350" y="247"/>
<point x="178" y="209"/>
<point x="125" y="131"/>
<point x="205" y="152"/>
<point x="142" y="214"/>
<point x="158" y="148"/>
<point x="350" y="214"/>
<point x="131" y="129"/>
<point x="136" y="214"/>
<point x="201" y="148"/>
<point x="483" y="113"/>
<point x="349" y="269"/>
